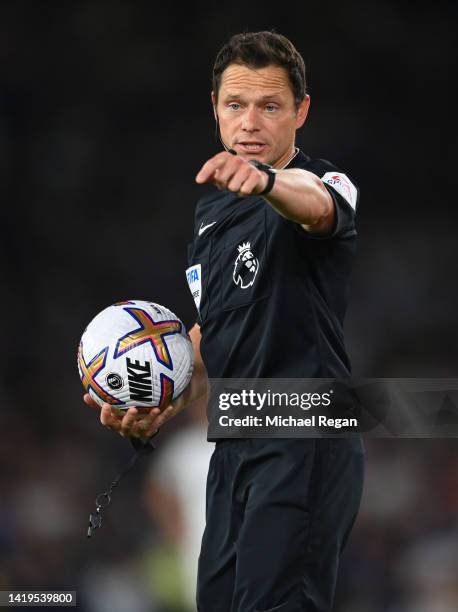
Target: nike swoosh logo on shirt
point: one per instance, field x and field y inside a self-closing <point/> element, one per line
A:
<point x="202" y="228"/>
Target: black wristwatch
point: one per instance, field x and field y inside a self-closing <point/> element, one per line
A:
<point x="268" y="170"/>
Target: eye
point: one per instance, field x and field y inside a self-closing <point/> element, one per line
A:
<point x="271" y="108"/>
<point x="234" y="106"/>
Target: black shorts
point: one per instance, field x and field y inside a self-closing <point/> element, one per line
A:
<point x="279" y="512"/>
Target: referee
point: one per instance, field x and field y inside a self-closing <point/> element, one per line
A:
<point x="269" y="266"/>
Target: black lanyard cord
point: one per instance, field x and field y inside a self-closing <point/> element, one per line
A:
<point x="102" y="501"/>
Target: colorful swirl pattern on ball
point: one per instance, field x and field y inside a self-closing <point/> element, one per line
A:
<point x="167" y="387"/>
<point x="89" y="371"/>
<point x="149" y="331"/>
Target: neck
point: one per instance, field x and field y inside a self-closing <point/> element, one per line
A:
<point x="286" y="158"/>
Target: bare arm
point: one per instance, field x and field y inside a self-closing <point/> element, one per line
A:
<point x="131" y="423"/>
<point x="297" y="194"/>
<point x="301" y="196"/>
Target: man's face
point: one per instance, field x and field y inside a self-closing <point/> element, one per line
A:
<point x="257" y="113"/>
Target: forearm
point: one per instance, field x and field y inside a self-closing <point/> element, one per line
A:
<point x="198" y="386"/>
<point x="301" y="196"/>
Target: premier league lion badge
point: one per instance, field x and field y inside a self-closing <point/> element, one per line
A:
<point x="246" y="266"/>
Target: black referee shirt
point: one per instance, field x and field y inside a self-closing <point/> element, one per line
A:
<point x="272" y="297"/>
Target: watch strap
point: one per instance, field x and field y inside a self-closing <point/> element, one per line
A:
<point x="270" y="174"/>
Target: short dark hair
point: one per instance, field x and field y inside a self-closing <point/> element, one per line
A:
<point x="258" y="50"/>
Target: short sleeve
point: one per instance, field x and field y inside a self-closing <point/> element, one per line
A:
<point x="344" y="193"/>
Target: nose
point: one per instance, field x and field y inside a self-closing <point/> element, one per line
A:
<point x="250" y="122"/>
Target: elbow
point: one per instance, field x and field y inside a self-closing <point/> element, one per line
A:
<point x="326" y="208"/>
<point x="324" y="205"/>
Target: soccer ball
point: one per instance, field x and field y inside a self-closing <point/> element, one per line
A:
<point x="135" y="353"/>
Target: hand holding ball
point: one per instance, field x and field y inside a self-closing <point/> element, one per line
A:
<point x="135" y="353"/>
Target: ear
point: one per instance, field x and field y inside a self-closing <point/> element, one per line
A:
<point x="214" y="105"/>
<point x="302" y="112"/>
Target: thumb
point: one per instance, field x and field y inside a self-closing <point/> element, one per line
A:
<point x="90" y="401"/>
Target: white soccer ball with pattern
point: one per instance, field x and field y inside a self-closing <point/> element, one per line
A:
<point x="135" y="353"/>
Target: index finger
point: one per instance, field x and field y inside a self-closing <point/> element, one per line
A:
<point x="210" y="167"/>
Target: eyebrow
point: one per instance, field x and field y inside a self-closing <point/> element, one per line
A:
<point x="239" y="95"/>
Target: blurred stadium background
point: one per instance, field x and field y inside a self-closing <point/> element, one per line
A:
<point x="105" y="119"/>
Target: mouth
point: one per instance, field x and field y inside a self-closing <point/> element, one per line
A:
<point x="251" y="146"/>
